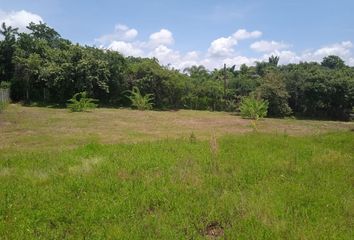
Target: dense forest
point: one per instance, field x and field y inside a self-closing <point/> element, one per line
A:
<point x="41" y="66"/>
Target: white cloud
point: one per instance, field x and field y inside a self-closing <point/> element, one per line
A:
<point x="350" y="61"/>
<point x="268" y="46"/>
<point x="243" y="34"/>
<point x="19" y="19"/>
<point x="342" y="50"/>
<point x="162" y="37"/>
<point x="121" y="33"/>
<point x="222" y="47"/>
<point x="220" y="51"/>
<point x="165" y="54"/>
<point x="239" y="60"/>
<point x="175" y="58"/>
<point x="126" y="48"/>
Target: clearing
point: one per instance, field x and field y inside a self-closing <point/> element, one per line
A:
<point x="123" y="174"/>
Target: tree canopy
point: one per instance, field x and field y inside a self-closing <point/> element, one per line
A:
<point x="44" y="67"/>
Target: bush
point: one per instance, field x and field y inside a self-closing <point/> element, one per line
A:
<point x="80" y="102"/>
<point x="253" y="108"/>
<point x="4" y="102"/>
<point x="3" y="105"/>
<point x="273" y="90"/>
<point x="139" y="101"/>
<point x="5" y="85"/>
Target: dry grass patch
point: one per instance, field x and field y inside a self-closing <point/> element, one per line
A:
<point x="86" y="166"/>
<point x="41" y="128"/>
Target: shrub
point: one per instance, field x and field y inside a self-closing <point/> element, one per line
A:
<point x="192" y="138"/>
<point x="3" y="105"/>
<point x="253" y="108"/>
<point x="273" y="90"/>
<point x="80" y="102"/>
<point x="139" y="101"/>
<point x="4" y="101"/>
<point x="5" y="85"/>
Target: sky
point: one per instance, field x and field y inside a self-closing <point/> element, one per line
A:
<point x="210" y="33"/>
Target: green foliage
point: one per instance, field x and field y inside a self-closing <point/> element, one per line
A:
<point x="7" y="51"/>
<point x="253" y="108"/>
<point x="333" y="62"/>
<point x="192" y="138"/>
<point x="273" y="90"/>
<point x="273" y="60"/>
<point x="80" y="102"/>
<point x="3" y="105"/>
<point x="4" y="102"/>
<point x="5" y="85"/>
<point x="44" y="67"/>
<point x="320" y="92"/>
<point x="139" y="101"/>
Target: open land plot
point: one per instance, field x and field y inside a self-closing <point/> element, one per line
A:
<point x="95" y="176"/>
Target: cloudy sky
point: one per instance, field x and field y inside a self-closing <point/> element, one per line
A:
<point x="208" y="32"/>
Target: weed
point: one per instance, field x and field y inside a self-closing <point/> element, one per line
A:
<point x="139" y="101"/>
<point x="81" y="102"/>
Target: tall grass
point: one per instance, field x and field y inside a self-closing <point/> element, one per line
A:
<point x="265" y="187"/>
<point x="3" y="105"/>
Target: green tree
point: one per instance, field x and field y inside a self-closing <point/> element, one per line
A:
<point x="7" y="50"/>
<point x="273" y="90"/>
<point x="333" y="62"/>
<point x="273" y="60"/>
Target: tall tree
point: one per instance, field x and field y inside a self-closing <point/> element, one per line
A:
<point x="273" y="60"/>
<point x="7" y="49"/>
<point x="333" y="62"/>
<point x="273" y="90"/>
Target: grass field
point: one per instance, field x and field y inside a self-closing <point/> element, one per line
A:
<point x="96" y="176"/>
<point x="46" y="128"/>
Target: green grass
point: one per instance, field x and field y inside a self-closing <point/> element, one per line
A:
<point x="251" y="186"/>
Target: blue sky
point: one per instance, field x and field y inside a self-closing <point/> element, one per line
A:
<point x="199" y="32"/>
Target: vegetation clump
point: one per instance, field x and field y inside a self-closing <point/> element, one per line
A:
<point x="139" y="101"/>
<point x="80" y="102"/>
<point x="253" y="108"/>
<point x="192" y="138"/>
<point x="3" y="105"/>
<point x="5" y="85"/>
<point x="4" y="99"/>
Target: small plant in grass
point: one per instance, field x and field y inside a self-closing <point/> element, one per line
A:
<point x="139" y="101"/>
<point x="192" y="138"/>
<point x="3" y="105"/>
<point x="253" y="108"/>
<point x="81" y="102"/>
<point x="214" y="149"/>
<point x="4" y="101"/>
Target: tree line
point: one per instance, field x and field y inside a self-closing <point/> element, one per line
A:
<point x="41" y="66"/>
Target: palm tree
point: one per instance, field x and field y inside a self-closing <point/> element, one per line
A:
<point x="9" y="32"/>
<point x="273" y="60"/>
